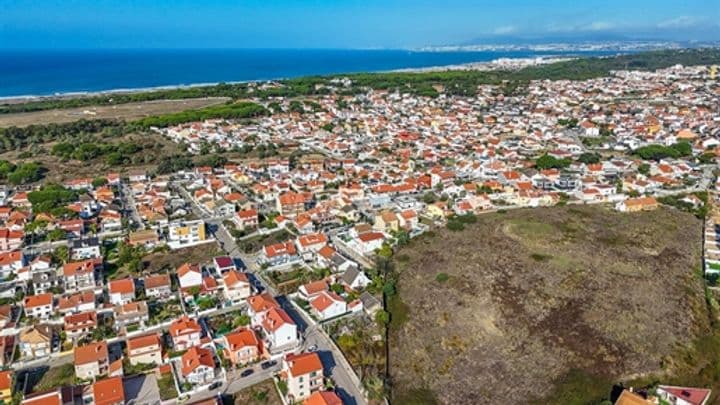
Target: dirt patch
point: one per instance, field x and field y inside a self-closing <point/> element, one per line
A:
<point x="129" y="111"/>
<point x="173" y="259"/>
<point x="535" y="295"/>
<point x="263" y="393"/>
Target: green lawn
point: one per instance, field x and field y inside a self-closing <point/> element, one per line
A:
<point x="166" y="385"/>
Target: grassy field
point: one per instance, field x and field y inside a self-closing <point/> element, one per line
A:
<point x="547" y="306"/>
<point x="129" y="112"/>
<point x="263" y="393"/>
<point x="56" y="377"/>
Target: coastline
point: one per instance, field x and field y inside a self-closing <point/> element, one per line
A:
<point x="496" y="64"/>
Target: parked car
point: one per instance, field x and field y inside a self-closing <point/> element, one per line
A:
<point x="266" y="365"/>
<point x="247" y="372"/>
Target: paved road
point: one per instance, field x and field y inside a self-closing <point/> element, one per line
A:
<point x="236" y="382"/>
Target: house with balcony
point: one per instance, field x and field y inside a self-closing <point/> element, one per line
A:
<point x="92" y="360"/>
<point x="37" y="341"/>
<point x="303" y="374"/>
<point x="185" y="333"/>
<point x="145" y="349"/>
<point x="236" y="286"/>
<point x="242" y="347"/>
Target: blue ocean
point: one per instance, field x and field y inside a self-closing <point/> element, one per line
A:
<point x="50" y="72"/>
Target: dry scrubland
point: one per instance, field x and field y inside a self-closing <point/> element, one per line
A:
<point x="537" y="299"/>
<point x="129" y="111"/>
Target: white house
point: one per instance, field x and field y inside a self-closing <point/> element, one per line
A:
<point x="122" y="291"/>
<point x="236" y="286"/>
<point x="280" y="330"/>
<point x="328" y="305"/>
<point x="189" y="275"/>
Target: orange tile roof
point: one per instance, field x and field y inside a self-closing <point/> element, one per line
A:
<point x="234" y="277"/>
<point x="183" y="326"/>
<point x="124" y="286"/>
<point x="50" y="398"/>
<point x="324" y="300"/>
<point x="186" y="268"/>
<point x="241" y="338"/>
<point x="275" y="318"/>
<point x="109" y="391"/>
<point x="158" y="280"/>
<point x="32" y="301"/>
<point x="6" y="380"/>
<point x="76" y="299"/>
<point x="196" y="357"/>
<point x="323" y="398"/>
<point x="144" y="341"/>
<point x="262" y="302"/>
<point x="93" y="352"/>
<point x="305" y="363"/>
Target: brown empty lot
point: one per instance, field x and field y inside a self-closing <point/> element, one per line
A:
<point x="129" y="111"/>
<point x="535" y="296"/>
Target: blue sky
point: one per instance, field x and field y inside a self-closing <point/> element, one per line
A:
<point x="340" y="23"/>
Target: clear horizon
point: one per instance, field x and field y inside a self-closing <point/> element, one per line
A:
<point x="351" y="24"/>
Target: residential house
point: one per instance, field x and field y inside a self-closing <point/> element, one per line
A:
<point x="185" y="333"/>
<point x="189" y="233"/>
<point x="83" y="249"/>
<point x="242" y="347"/>
<point x="189" y="275"/>
<point x="157" y="286"/>
<point x="303" y="375"/>
<point x="36" y="341"/>
<point x="80" y="302"/>
<point x="11" y="262"/>
<point x="92" y="360"/>
<point x="280" y="330"/>
<point x="258" y="305"/>
<point x="279" y="254"/>
<point x="145" y="349"/>
<point x="131" y="313"/>
<point x="637" y="204"/>
<point x="354" y="279"/>
<point x="327" y="304"/>
<point x="6" y="386"/>
<point x="147" y="238"/>
<point x="328" y="257"/>
<point x="246" y="219"/>
<point x="224" y="264"/>
<point x="53" y="397"/>
<point x="39" y="306"/>
<point x="121" y="292"/>
<point x="109" y="391"/>
<point x="6" y="315"/>
<point x="198" y="365"/>
<point x="323" y="398"/>
<point x="80" y="275"/>
<point x="80" y="324"/>
<point x="10" y="240"/>
<point x="308" y="245"/>
<point x="236" y="286"/>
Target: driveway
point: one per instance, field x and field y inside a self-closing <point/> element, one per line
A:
<point x="141" y="390"/>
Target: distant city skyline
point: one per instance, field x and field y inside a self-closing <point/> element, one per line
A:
<point x="35" y="24"/>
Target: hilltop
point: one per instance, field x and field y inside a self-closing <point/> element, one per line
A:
<point x="519" y="303"/>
